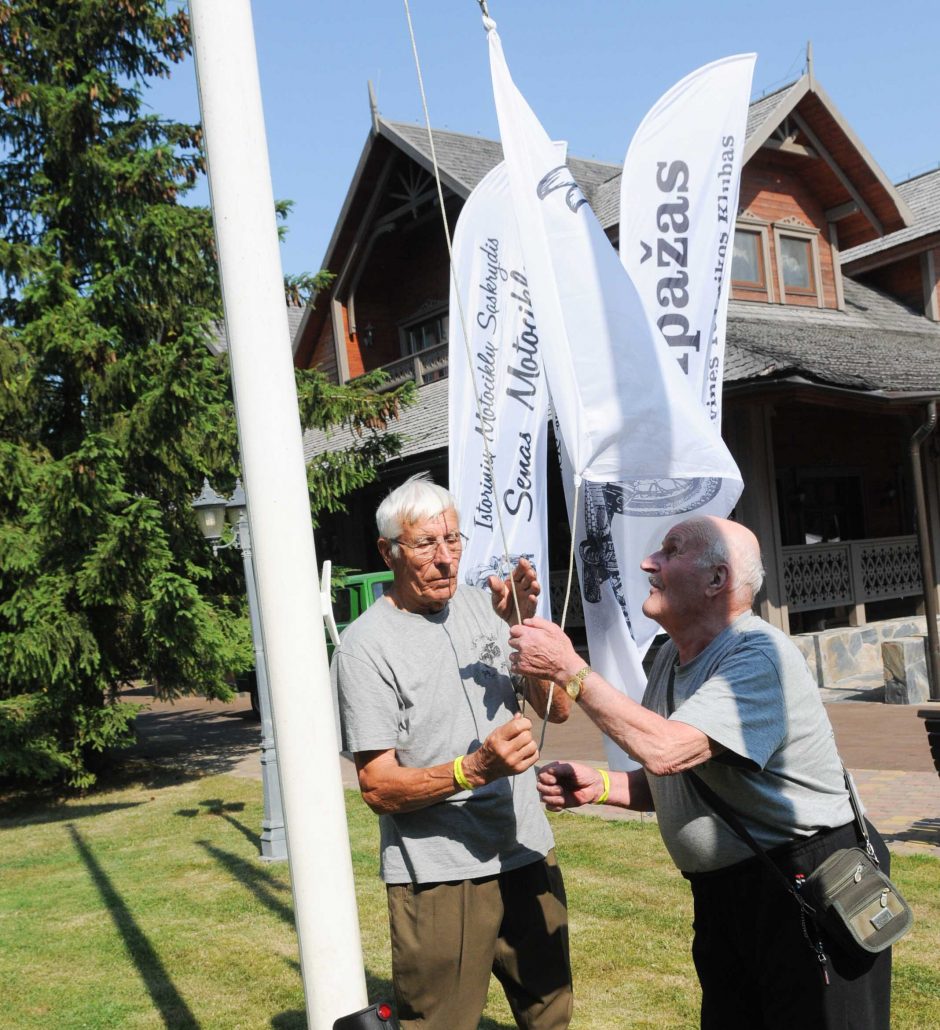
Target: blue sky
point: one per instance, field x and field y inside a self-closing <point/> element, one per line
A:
<point x="589" y="68"/>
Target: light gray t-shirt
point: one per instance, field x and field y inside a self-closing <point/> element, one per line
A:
<point x="751" y="691"/>
<point x="433" y="687"/>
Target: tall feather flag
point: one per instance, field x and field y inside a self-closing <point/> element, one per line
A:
<point x="636" y="442"/>
<point x="498" y="399"/>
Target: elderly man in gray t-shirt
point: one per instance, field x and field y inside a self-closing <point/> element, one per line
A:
<point x="731" y="698"/>
<point x="446" y="759"/>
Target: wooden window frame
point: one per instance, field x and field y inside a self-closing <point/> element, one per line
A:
<point x="762" y="290"/>
<point x="805" y="235"/>
<point x="432" y="313"/>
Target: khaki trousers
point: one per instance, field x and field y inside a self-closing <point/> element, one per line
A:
<point x="447" y="938"/>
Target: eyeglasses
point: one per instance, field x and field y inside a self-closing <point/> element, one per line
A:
<point x="425" y="548"/>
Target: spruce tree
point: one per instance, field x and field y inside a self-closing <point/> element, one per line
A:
<point x="113" y="408"/>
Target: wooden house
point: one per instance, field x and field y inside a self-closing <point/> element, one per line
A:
<point x="832" y="358"/>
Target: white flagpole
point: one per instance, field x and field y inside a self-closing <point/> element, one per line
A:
<point x="278" y="506"/>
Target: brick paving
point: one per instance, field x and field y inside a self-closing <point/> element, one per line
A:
<point x="884" y="746"/>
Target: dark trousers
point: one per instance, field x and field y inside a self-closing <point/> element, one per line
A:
<point x="448" y="938"/>
<point x="756" y="969"/>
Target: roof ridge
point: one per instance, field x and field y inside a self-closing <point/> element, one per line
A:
<point x="919" y="175"/>
<point x="773" y="93"/>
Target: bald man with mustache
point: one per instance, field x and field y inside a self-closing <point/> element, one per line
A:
<point x="730" y="697"/>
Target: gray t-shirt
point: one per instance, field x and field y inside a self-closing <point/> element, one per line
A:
<point x="751" y="691"/>
<point x="433" y="687"/>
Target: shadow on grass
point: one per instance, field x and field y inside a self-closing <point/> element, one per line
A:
<point x="52" y="812"/>
<point x="173" y="1009"/>
<point x="216" y="806"/>
<point x="258" y="881"/>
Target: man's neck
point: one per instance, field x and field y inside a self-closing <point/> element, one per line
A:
<point x="691" y="641"/>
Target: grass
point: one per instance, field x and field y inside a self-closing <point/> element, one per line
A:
<point x="145" y="906"/>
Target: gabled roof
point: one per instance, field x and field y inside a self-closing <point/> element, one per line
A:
<point x="837" y="166"/>
<point x="843" y="174"/>
<point x="465" y="160"/>
<point x="922" y="196"/>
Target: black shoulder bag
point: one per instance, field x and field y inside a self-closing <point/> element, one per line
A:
<point x="847" y="895"/>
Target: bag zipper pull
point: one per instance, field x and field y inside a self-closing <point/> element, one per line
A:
<point x="823" y="961"/>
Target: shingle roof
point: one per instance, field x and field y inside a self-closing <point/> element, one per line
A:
<point x="422" y="426"/>
<point x="468" y="158"/>
<point x="922" y="194"/>
<point x="760" y="109"/>
<point x="875" y="344"/>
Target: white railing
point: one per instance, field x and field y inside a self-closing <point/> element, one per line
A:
<point x="850" y="573"/>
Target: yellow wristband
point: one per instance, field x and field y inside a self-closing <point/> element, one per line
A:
<point x="605" y="793"/>
<point x="460" y="777"/>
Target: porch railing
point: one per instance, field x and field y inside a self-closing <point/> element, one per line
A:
<point x="425" y="367"/>
<point x="851" y="573"/>
<point x="557" y="582"/>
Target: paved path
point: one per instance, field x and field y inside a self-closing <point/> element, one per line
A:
<point x="884" y="746"/>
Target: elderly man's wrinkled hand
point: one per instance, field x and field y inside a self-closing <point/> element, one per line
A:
<point x="509" y="750"/>
<point x="569" y="785"/>
<point x="522" y="587"/>
<point x="541" y="649"/>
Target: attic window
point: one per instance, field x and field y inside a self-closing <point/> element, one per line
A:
<point x="796" y="260"/>
<point x="747" y="265"/>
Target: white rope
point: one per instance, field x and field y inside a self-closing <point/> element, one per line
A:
<point x="487" y="454"/>
<point x="564" y="612"/>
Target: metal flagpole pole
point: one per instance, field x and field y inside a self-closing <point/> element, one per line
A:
<point x="278" y="510"/>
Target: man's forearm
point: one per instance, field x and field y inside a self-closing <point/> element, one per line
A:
<point x="663" y="746"/>
<point x="537" y="694"/>
<point x="631" y="790"/>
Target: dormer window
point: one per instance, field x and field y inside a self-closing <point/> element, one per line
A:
<point x="776" y="261"/>
<point x="747" y="265"/>
<point x="796" y="262"/>
<point x="750" y="262"/>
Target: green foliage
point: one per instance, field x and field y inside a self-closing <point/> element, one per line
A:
<point x="364" y="410"/>
<point x="112" y="407"/>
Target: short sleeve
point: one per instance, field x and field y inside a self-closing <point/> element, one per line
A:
<point x="740" y="706"/>
<point x="368" y="705"/>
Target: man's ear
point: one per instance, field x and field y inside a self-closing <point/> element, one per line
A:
<point x="719" y="580"/>
<point x="385" y="549"/>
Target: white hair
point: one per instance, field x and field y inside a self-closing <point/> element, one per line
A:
<point x="745" y="564"/>
<point x="418" y="498"/>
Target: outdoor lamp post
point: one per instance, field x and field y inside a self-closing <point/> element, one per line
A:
<point x="213" y="511"/>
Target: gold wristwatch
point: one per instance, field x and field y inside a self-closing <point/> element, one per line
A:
<point x="573" y="686"/>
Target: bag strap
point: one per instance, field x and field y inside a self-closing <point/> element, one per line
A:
<point x="859" y="818"/>
<point x="723" y="809"/>
<point x="727" y="813"/>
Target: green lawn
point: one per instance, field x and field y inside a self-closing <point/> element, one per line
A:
<point x="145" y="906"/>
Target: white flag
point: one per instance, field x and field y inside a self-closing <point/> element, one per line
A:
<point x="633" y="429"/>
<point x="497" y="394"/>
<point x="678" y="204"/>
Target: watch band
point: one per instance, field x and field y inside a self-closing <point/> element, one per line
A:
<point x="573" y="686"/>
